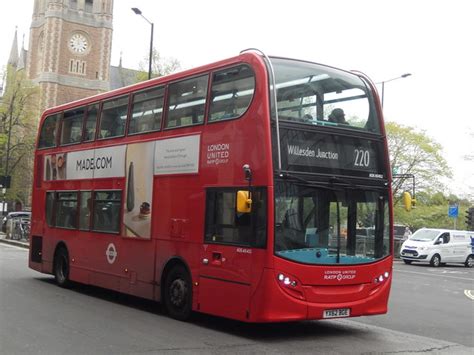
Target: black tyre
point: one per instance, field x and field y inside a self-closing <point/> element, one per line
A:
<point x="61" y="268"/>
<point x="408" y="262"/>
<point x="469" y="261"/>
<point x="177" y="294"/>
<point x="435" y="260"/>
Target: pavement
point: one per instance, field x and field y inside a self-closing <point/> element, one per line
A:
<point x="18" y="243"/>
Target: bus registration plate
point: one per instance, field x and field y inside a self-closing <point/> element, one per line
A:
<point x="336" y="313"/>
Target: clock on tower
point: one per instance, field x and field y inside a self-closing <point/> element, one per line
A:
<point x="78" y="43"/>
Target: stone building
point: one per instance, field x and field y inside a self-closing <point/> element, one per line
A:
<point x="69" y="52"/>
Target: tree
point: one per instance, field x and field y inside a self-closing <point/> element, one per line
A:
<point x="18" y="125"/>
<point x="433" y="212"/>
<point x="160" y="66"/>
<point x="415" y="153"/>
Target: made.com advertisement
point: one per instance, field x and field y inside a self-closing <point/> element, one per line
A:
<point x="132" y="161"/>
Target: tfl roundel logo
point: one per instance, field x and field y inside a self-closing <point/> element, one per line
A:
<point x="111" y="253"/>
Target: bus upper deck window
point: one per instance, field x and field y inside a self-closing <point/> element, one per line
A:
<point x="91" y="122"/>
<point x="147" y="111"/>
<point x="71" y="131"/>
<point x="49" y="132"/>
<point x="187" y="101"/>
<point x="113" y="118"/>
<point x="309" y="93"/>
<point x="232" y="91"/>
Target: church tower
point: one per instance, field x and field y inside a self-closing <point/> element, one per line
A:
<point x="70" y="48"/>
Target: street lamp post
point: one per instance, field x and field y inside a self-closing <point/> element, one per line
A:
<point x="386" y="81"/>
<point x="138" y="12"/>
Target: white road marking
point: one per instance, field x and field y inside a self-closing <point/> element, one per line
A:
<point x="443" y="275"/>
<point x="451" y="272"/>
<point x="469" y="294"/>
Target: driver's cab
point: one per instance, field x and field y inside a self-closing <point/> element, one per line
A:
<point x="443" y="239"/>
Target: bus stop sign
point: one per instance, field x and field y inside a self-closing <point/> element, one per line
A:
<point x="453" y="211"/>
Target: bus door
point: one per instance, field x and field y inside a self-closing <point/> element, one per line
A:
<point x="228" y="252"/>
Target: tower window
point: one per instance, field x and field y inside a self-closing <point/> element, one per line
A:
<point x="77" y="66"/>
<point x="89" y="5"/>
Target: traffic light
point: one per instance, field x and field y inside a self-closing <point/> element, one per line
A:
<point x="5" y="181"/>
<point x="408" y="201"/>
<point x="470" y="218"/>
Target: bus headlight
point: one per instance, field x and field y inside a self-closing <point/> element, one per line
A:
<point x="286" y="280"/>
<point x="382" y="278"/>
<point x="290" y="284"/>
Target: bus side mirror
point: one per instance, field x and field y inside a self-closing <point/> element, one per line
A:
<point x="244" y="202"/>
<point x="408" y="201"/>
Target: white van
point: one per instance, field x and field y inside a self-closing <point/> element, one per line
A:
<point x="439" y="246"/>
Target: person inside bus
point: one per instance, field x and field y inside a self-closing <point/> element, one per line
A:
<point x="337" y="116"/>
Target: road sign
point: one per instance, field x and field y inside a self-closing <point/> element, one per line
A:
<point x="453" y="211"/>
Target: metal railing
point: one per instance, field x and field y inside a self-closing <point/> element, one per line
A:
<point x="20" y="228"/>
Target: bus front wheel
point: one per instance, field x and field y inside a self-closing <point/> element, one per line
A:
<point x="61" y="268"/>
<point x="177" y="296"/>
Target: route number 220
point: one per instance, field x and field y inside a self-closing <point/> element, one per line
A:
<point x="362" y="158"/>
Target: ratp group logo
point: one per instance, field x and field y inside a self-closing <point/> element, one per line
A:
<point x="339" y="275"/>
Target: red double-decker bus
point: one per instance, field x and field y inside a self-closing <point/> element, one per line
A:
<point x="256" y="188"/>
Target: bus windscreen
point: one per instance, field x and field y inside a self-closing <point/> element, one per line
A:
<point x="323" y="225"/>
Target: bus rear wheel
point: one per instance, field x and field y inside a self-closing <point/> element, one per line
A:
<point x="177" y="296"/>
<point x="61" y="268"/>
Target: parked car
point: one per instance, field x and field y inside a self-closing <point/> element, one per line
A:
<point x="7" y="221"/>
